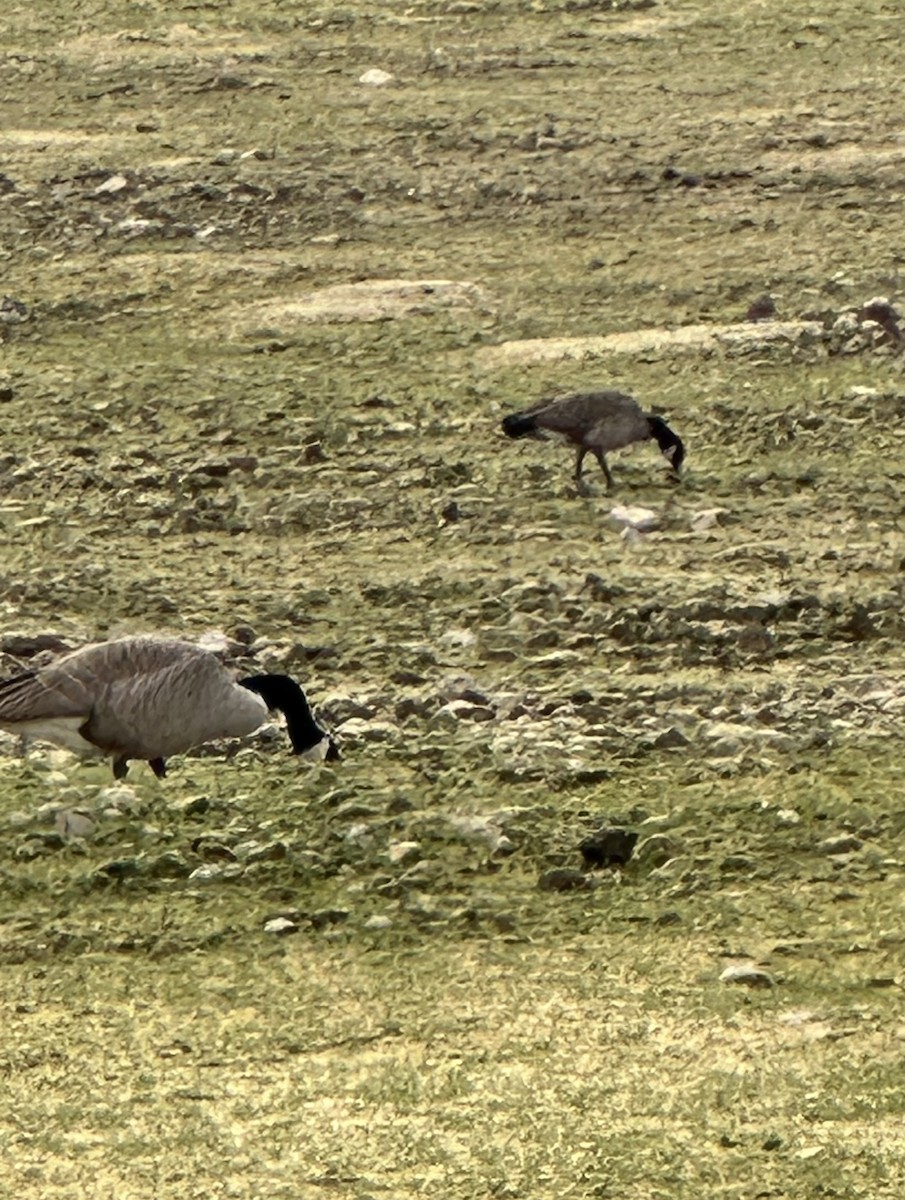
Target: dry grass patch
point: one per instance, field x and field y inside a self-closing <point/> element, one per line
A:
<point x="370" y="300"/>
<point x="685" y="339"/>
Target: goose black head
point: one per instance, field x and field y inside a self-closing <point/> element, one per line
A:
<point x="281" y="692"/>
<point x="671" y="446"/>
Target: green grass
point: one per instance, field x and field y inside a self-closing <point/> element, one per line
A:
<point x="444" y="1025"/>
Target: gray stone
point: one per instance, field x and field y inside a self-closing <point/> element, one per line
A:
<point x="846" y="843"/>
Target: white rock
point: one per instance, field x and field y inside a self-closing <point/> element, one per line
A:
<point x="56" y="779"/>
<point x="400" y="852"/>
<point x="357" y="729"/>
<point x="748" y="974"/>
<point x="135" y="226"/>
<point x="118" y="796"/>
<point x="633" y="516"/>
<point x="280" y="925"/>
<point x="378" y="922"/>
<point x="215" y="641"/>
<point x="208" y="872"/>
<point x="786" y="817"/>
<point x="116" y="183"/>
<point x="357" y="833"/>
<point x="707" y="518"/>
<point x="375" y="77"/>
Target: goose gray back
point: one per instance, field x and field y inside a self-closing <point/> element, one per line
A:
<point x="148" y="698"/>
<point x="597" y="422"/>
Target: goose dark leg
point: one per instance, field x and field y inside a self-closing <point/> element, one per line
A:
<point x="120" y="766"/>
<point x="601" y="458"/>
<point x="158" y="766"/>
<point x="579" y="482"/>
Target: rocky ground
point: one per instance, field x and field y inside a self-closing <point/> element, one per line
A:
<point x="263" y="312"/>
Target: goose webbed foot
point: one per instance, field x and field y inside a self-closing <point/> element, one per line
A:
<point x="158" y="766"/>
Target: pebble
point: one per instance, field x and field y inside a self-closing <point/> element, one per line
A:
<point x="75" y="823"/>
<point x="112" y="185"/>
<point x="749" y="975"/>
<point x="402" y="852"/>
<point x="375" y="77"/>
<point x="608" y="847"/>
<point x="377" y="921"/>
<point x="845" y="843"/>
<point x="280" y="925"/>
<point x="633" y="516"/>
<point x="565" y="879"/>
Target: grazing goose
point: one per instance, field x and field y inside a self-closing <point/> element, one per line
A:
<point x="148" y="698"/>
<point x="599" y="422"/>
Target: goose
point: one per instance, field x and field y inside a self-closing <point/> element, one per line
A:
<point x="148" y="698"/>
<point x="599" y="422"/>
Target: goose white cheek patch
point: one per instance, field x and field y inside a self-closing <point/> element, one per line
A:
<point x="318" y="751"/>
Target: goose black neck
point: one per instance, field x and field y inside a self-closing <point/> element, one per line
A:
<point x="667" y="440"/>
<point x="283" y="693"/>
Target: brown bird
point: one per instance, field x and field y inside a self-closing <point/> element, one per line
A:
<point x="599" y="422"/>
<point x="148" y="698"/>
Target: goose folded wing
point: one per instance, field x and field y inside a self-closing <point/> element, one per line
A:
<point x="31" y="697"/>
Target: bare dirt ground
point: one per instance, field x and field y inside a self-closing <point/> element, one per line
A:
<point x="261" y="323"/>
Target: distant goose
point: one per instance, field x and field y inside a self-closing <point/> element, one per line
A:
<point x="599" y="422"/>
<point x="148" y="698"/>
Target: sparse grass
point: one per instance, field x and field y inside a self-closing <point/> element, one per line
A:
<point x="494" y="1039"/>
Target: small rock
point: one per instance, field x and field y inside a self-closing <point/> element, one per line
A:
<point x="671" y="739"/>
<point x="881" y="311"/>
<point x="761" y="309"/>
<point x="485" y="829"/>
<point x="168" y="865"/>
<point x="75" y="823"/>
<point x="358" y="730"/>
<point x="449" y="716"/>
<point x="402" y="852"/>
<point x="670" y="917"/>
<point x="707" y="518"/>
<point x="280" y="926"/>
<point x="462" y="687"/>
<point x="656" y="850"/>
<point x="325" y="917"/>
<point x="119" y="798"/>
<point x="608" y="847"/>
<point x="564" y="879"/>
<point x="632" y="516"/>
<point x="378" y="922"/>
<point x="13" y="311"/>
<point x="119" y="869"/>
<point x="845" y="843"/>
<point x="787" y="817"/>
<point x="749" y="975"/>
<point x="375" y="77"/>
<point x="116" y="183"/>
<point x="359" y="832"/>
